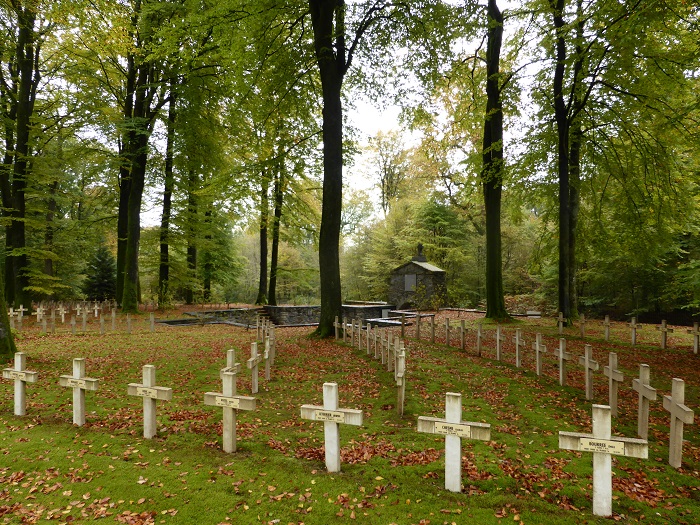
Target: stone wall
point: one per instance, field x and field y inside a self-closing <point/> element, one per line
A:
<point x="309" y="315"/>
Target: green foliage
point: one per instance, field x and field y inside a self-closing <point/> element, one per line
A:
<point x="101" y="276"/>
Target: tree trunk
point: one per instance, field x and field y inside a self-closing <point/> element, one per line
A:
<point x="279" y="200"/>
<point x="7" y="342"/>
<point x="191" y="237"/>
<point x="264" y="212"/>
<point x="492" y="170"/>
<point x="207" y="265"/>
<point x="49" y="233"/>
<point x="131" y="297"/>
<point x="332" y="68"/>
<point x="561" y="117"/>
<point x="164" y="267"/>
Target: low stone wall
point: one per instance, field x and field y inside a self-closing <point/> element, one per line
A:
<point x="308" y="315"/>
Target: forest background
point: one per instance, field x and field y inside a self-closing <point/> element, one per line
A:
<point x="218" y="121"/>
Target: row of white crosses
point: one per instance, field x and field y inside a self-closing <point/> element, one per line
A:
<point x="391" y="350"/>
<point x="44" y="320"/>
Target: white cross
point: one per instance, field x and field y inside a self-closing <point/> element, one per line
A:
<point x="563" y="357"/>
<point x="646" y="394"/>
<point x="633" y="328"/>
<point x="589" y="365"/>
<point x="21" y="377"/>
<point x="696" y="337"/>
<point x="369" y="333"/>
<point x="539" y="349"/>
<point x="79" y="383"/>
<point x="615" y="377"/>
<point x="499" y="342"/>
<point x="680" y="414"/>
<point x="479" y="336"/>
<point x="664" y="333"/>
<point x="39" y="314"/>
<point x="267" y="358"/>
<point x="252" y="364"/>
<point x="336" y="326"/>
<point x="21" y="311"/>
<point x="62" y="313"/>
<point x="150" y="394"/>
<point x="518" y="341"/>
<point x="603" y="446"/>
<point x="454" y="429"/>
<point x="400" y="376"/>
<point x="229" y="402"/>
<point x="606" y="324"/>
<point x="560" y="323"/>
<point x="332" y="417"/>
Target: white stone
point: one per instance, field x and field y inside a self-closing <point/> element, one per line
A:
<point x="150" y="394"/>
<point x="79" y="383"/>
<point x="680" y="415"/>
<point x="646" y="394"/>
<point x="21" y="377"/>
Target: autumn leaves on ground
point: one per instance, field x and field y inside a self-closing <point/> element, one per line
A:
<point x="52" y="470"/>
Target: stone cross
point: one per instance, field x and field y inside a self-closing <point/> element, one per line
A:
<point x="252" y="364"/>
<point x="454" y="429"/>
<point x="447" y="332"/>
<point x="633" y="329"/>
<point x="696" y="337"/>
<point x="462" y="335"/>
<point x="102" y="324"/>
<point x="606" y="324"/>
<point x="418" y="319"/>
<point x="85" y="314"/>
<point x="589" y="365"/>
<point x="39" y="314"/>
<point x="332" y="417"/>
<point x="352" y="332"/>
<point x="266" y="358"/>
<point x="336" y="326"/>
<point x="615" y="377"/>
<point x="646" y="394"/>
<point x="11" y="315"/>
<point x="114" y="320"/>
<point x="376" y="339"/>
<point x="62" y="313"/>
<point x="20" y="311"/>
<point x="680" y="414"/>
<point x="72" y="324"/>
<point x="79" y="383"/>
<point x="229" y="402"/>
<point x="603" y="446"/>
<point x="150" y="394"/>
<point x="432" y="329"/>
<point x="560" y="323"/>
<point x="21" y="377"/>
<point x="345" y="331"/>
<point x="499" y="342"/>
<point x="96" y="309"/>
<point x="479" y="337"/>
<point x="400" y="376"/>
<point x="539" y="349"/>
<point x="369" y="333"/>
<point x="231" y="365"/>
<point x="563" y="357"/>
<point x="403" y="326"/>
<point x="583" y="326"/>
<point x="664" y="333"/>
<point x="518" y="341"/>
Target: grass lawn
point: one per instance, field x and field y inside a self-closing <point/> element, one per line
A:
<point x="54" y="471"/>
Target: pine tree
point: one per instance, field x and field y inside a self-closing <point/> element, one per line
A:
<point x="101" y="281"/>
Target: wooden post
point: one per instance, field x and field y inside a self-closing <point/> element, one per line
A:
<point x="646" y="394"/>
<point x="615" y="377"/>
<point x="603" y="445"/>
<point x="454" y="429"/>
<point x="150" y="394"/>
<point x="589" y="365"/>
<point x="21" y="377"/>
<point x="680" y="414"/>
<point x="79" y="383"/>
<point x="332" y="417"/>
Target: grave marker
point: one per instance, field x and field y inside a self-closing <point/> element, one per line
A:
<point x="403" y="325"/>
<point x="499" y="342"/>
<point x="603" y="445"/>
<point x="615" y="377"/>
<point x="72" y="324"/>
<point x="539" y="349"/>
<point x="150" y="394"/>
<point x="447" y="332"/>
<point x="79" y="383"/>
<point x="665" y="330"/>
<point x="21" y="377"/>
<point x="231" y="365"/>
<point x="560" y="323"/>
<point x="680" y="414"/>
<point x="39" y="313"/>
<point x="400" y="377"/>
<point x="646" y="394"/>
<point x="369" y="332"/>
<point x="518" y="341"/>
<point x="633" y="330"/>
<point x="462" y="335"/>
<point x="418" y="321"/>
<point x="266" y="357"/>
<point x="20" y="311"/>
<point x="696" y="337"/>
<point x="229" y="402"/>
<point x="332" y="417"/>
<point x="252" y="364"/>
<point x="85" y="314"/>
<point x="563" y="357"/>
<point x="336" y="327"/>
<point x="62" y="313"/>
<point x="479" y="336"/>
<point x="454" y="429"/>
<point x="432" y="329"/>
<point x="589" y="365"/>
<point x="11" y="315"/>
<point x="606" y="324"/>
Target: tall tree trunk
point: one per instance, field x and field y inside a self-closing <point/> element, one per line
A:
<point x="7" y="342"/>
<point x="278" y="192"/>
<point x="49" y="232"/>
<point x="492" y="170"/>
<point x="164" y="267"/>
<point x="562" y="120"/>
<point x="207" y="264"/>
<point x="192" y="204"/>
<point x="330" y="56"/>
<point x="264" y="213"/>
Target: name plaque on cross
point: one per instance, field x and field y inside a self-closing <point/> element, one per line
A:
<point x="328" y="415"/>
<point x="601" y="445"/>
<point x="453" y="429"/>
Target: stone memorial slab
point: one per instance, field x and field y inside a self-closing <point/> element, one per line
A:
<point x="79" y="383"/>
<point x="680" y="415"/>
<point x="454" y="429"/>
<point x="150" y="394"/>
<point x="646" y="394"/>
<point x="332" y="417"/>
<point x="21" y="376"/>
<point x="603" y="445"/>
<point x="615" y="377"/>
